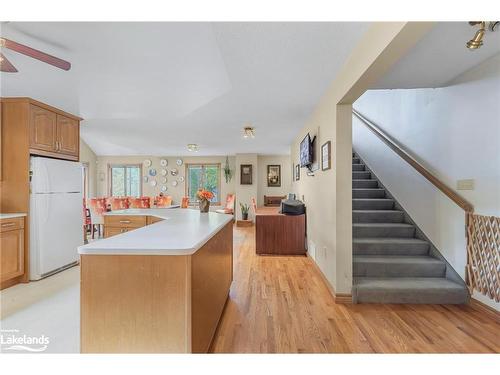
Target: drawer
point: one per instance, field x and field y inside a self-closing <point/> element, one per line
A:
<point x="113" y="231"/>
<point x="11" y="224"/>
<point x="124" y="221"/>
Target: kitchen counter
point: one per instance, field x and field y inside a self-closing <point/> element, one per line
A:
<point x="158" y="288"/>
<point x="12" y="215"/>
<point x="182" y="232"/>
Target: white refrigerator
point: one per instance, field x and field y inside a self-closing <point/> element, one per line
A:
<point x="56" y="215"/>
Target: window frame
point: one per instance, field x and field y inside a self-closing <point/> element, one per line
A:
<point x="123" y="165"/>
<point x="203" y="165"/>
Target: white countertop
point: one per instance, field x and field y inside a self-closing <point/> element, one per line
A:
<point x="12" y="215"/>
<point x="182" y="232"/>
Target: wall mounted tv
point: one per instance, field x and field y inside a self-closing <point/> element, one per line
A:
<point x="307" y="151"/>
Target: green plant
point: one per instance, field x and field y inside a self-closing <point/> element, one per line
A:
<point x="228" y="173"/>
<point x="244" y="208"/>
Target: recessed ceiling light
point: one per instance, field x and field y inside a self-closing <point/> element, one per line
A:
<point x="249" y="132"/>
<point x="192" y="147"/>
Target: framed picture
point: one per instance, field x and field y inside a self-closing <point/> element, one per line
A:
<point x="297" y="172"/>
<point x="326" y="160"/>
<point x="246" y="174"/>
<point x="274" y="175"/>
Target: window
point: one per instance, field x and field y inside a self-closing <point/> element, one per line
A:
<point x="204" y="176"/>
<point x="125" y="180"/>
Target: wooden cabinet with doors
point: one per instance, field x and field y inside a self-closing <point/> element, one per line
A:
<point x="117" y="224"/>
<point x="29" y="127"/>
<point x="11" y="251"/>
<point x="53" y="134"/>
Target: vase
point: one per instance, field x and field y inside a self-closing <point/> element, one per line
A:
<point x="204" y="205"/>
<point x="244" y="216"/>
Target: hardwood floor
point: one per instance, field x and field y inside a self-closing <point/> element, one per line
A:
<point x="280" y="304"/>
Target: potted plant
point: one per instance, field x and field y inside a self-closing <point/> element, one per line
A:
<point x="204" y="197"/>
<point x="244" y="211"/>
<point x="227" y="171"/>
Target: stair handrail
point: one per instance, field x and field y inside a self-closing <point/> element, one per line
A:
<point x="406" y="156"/>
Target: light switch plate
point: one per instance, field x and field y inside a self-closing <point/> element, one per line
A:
<point x="467" y="184"/>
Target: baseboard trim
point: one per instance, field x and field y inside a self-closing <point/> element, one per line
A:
<point x="480" y="306"/>
<point x="340" y="298"/>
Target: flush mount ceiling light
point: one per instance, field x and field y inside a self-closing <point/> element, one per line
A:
<point x="249" y="132"/>
<point x="192" y="147"/>
<point x="477" y="41"/>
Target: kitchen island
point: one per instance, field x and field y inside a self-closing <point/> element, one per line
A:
<point x="160" y="288"/>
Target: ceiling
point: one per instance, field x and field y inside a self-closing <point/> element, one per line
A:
<point x="152" y="88"/>
<point x="439" y="57"/>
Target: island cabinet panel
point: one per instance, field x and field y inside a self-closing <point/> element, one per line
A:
<point x="135" y="304"/>
<point x="155" y="303"/>
<point x="211" y="277"/>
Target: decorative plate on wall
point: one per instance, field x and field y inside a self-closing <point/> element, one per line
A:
<point x="164" y="188"/>
<point x="174" y="183"/>
<point x="178" y="162"/>
<point x="145" y="178"/>
<point x="181" y="179"/>
<point x="174" y="172"/>
<point x="152" y="183"/>
<point x="164" y="172"/>
<point x="147" y="163"/>
<point x="164" y="180"/>
<point x="152" y="172"/>
<point x="163" y="162"/>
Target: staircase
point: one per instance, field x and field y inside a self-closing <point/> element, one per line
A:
<point x="392" y="261"/>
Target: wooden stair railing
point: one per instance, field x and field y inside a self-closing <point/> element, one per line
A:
<point x="405" y="155"/>
<point x="482" y="232"/>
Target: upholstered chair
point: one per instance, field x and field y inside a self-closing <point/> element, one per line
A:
<point x="164" y="201"/>
<point x="229" y="206"/>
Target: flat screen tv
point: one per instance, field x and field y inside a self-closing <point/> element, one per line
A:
<point x="306" y="151"/>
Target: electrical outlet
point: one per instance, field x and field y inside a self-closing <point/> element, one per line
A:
<point x="467" y="184"/>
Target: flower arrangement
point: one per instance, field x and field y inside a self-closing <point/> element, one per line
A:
<point x="204" y="195"/>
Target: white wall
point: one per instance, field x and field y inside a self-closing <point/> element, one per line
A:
<point x="455" y="133"/>
<point x="176" y="192"/>
<point x="328" y="195"/>
<point x="244" y="193"/>
<point x="286" y="176"/>
<point x="88" y="156"/>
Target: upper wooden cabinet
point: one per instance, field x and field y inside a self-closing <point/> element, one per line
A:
<point x="68" y="136"/>
<point x="52" y="132"/>
<point x="43" y="129"/>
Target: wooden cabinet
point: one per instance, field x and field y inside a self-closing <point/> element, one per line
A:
<point x="153" y="219"/>
<point x="117" y="224"/>
<point x="53" y="133"/>
<point x="43" y="129"/>
<point x="68" y="136"/>
<point x="11" y="249"/>
<point x="113" y="231"/>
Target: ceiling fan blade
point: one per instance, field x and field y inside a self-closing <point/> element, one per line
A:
<point x="34" y="53"/>
<point x="6" y="65"/>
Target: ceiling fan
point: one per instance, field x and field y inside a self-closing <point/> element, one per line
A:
<point x="6" y="65"/>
